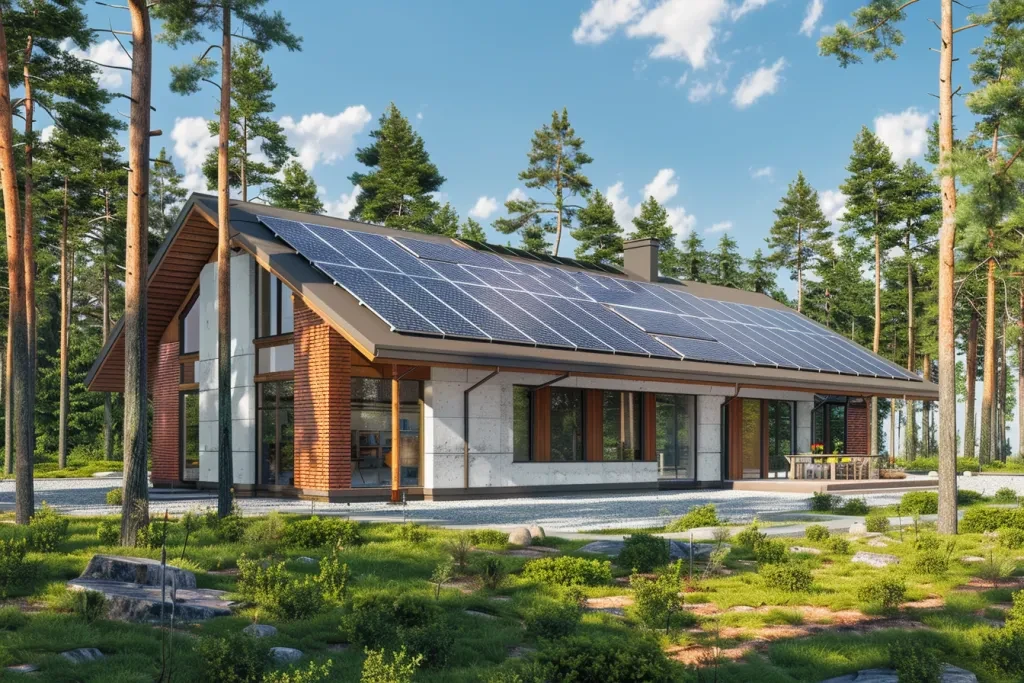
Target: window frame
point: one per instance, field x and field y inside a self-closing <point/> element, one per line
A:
<point x="181" y="325"/>
<point x="260" y="409"/>
<point x="278" y="293"/>
<point x="638" y="448"/>
<point x="182" y="394"/>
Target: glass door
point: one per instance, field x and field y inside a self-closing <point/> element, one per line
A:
<point x="780" y="437"/>
<point x="750" y="439"/>
<point x="675" y="436"/>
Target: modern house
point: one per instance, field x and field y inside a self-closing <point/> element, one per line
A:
<point x="370" y="363"/>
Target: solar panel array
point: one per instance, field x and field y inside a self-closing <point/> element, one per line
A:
<point x="431" y="288"/>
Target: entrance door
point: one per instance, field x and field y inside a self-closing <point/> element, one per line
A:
<point x="674" y="436"/>
<point x="746" y="439"/>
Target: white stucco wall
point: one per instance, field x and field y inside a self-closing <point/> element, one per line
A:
<point x="803" y="426"/>
<point x="243" y="368"/>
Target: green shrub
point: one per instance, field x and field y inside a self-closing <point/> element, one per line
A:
<point x="643" y="552"/>
<point x="920" y="503"/>
<point x="333" y="578"/>
<point x="383" y="666"/>
<point x="656" y="602"/>
<point x="1004" y="650"/>
<point x="877" y="522"/>
<point x="817" y="533"/>
<point x="47" y="529"/>
<point x="265" y="530"/>
<point x="964" y="497"/>
<point x="913" y="663"/>
<point x="413" y="533"/>
<point x="235" y="658"/>
<point x="314" y="673"/>
<point x="979" y="519"/>
<point x="492" y="572"/>
<point x="888" y="592"/>
<point x="853" y="506"/>
<point x="115" y="497"/>
<point x="109" y="532"/>
<point x="231" y="527"/>
<point x="90" y="606"/>
<point x="261" y="582"/>
<point x="1011" y="538"/>
<point x="770" y="551"/>
<point x="568" y="571"/>
<point x="749" y="537"/>
<point x="837" y="545"/>
<point x="488" y="537"/>
<point x="792" y="577"/>
<point x="381" y="619"/>
<point x="824" y="502"/>
<point x="152" y="535"/>
<point x="589" y="660"/>
<point x="1015" y="615"/>
<point x="12" y="618"/>
<point x="1005" y="495"/>
<point x="13" y="570"/>
<point x="930" y="562"/>
<point x="695" y="517"/>
<point x="300" y="599"/>
<point x="317" y="533"/>
<point x="554" y="620"/>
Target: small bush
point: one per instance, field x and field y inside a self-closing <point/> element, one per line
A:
<point x="47" y="529"/>
<point x="1004" y="650"/>
<point x="643" y="552"/>
<point x="381" y="619"/>
<point x="152" y="535"/>
<point x="261" y="582"/>
<point x="568" y="571"/>
<point x="109" y="532"/>
<point x="1011" y="538"/>
<point x="90" y="606"/>
<point x="695" y="517"/>
<point x="553" y="620"/>
<point x="930" y="562"/>
<point x="459" y="548"/>
<point x="656" y="602"/>
<point x="837" y="545"/>
<point x="913" y="663"/>
<point x="888" y="592"/>
<point x="749" y="537"/>
<point x="1005" y="495"/>
<point x="333" y="578"/>
<point x="314" y="673"/>
<point x="877" y="522"/>
<point x="396" y="667"/>
<point x="317" y="533"/>
<point x="1015" y="615"/>
<point x="236" y="658"/>
<point x="115" y="497"/>
<point x="12" y="618"/>
<point x="791" y="577"/>
<point x="769" y="551"/>
<point x="920" y="503"/>
<point x="300" y="599"/>
<point x="488" y="537"/>
<point x="980" y="519"/>
<point x="622" y="660"/>
<point x="964" y="497"/>
<point x="824" y="502"/>
<point x="817" y="533"/>
<point x="853" y="506"/>
<point x="231" y="527"/>
<point x="413" y="533"/>
<point x="13" y="570"/>
<point x="492" y="572"/>
<point x="265" y="531"/>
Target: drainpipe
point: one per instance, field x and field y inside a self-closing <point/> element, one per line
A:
<point x="465" y="427"/>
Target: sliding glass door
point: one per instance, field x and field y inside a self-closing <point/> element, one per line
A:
<point x="675" y="441"/>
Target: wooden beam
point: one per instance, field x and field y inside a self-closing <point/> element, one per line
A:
<point x="396" y="435"/>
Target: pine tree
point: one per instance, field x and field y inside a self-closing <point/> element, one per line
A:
<point x="692" y="260"/>
<point x="799" y="231"/>
<point x="556" y="165"/>
<point x="445" y="221"/>
<point x="398" y="190"/>
<point x="652" y="223"/>
<point x="166" y="196"/>
<point x="471" y="230"/>
<point x="295" y="190"/>
<point x="762" y="275"/>
<point x="728" y="264"/>
<point x="598" y="236"/>
<point x="252" y="86"/>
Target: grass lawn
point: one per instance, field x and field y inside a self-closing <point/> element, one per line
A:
<point x="83" y="468"/>
<point x="732" y="623"/>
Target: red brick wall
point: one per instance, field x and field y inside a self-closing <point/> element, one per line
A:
<point x="856" y="428"/>
<point x="164" y="383"/>
<point x="323" y="419"/>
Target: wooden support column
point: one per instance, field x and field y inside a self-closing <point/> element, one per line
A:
<point x="396" y="436"/>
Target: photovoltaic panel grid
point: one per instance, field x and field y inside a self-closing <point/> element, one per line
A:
<point x="430" y="288"/>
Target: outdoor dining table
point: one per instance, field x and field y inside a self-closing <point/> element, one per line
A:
<point x="849" y="462"/>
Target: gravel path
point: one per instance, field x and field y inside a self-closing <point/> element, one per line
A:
<point x="586" y="512"/>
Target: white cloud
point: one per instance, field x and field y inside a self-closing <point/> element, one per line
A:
<point x="345" y="204"/>
<point x="192" y="143"/>
<point x="46" y="133"/>
<point x="682" y="223"/>
<point x="484" y="207"/>
<point x="747" y="7"/>
<point x="685" y="29"/>
<point x="703" y="91"/>
<point x="320" y="138"/>
<point x="419" y="116"/>
<point x="616" y="196"/>
<point x="724" y="226"/>
<point x="905" y="133"/>
<point x="833" y="204"/>
<point x="764" y="172"/>
<point x="663" y="187"/>
<point x="812" y="16"/>
<point x="105" y="52"/>
<point x="603" y="18"/>
<point x="516" y="194"/>
<point x="758" y="83"/>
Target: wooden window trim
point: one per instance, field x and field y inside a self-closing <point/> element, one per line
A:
<point x="276" y="340"/>
<point x="282" y="376"/>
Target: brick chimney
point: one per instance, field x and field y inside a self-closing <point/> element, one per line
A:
<point x="641" y="259"/>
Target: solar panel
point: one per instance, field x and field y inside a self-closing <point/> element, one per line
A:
<point x="428" y="287"/>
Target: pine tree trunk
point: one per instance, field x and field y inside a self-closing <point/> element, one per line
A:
<point x="1001" y="398"/>
<point x="910" y="441"/>
<point x="971" y="376"/>
<point x="135" y="506"/>
<point x="108" y="428"/>
<point x="799" y="272"/>
<point x="225" y="469"/>
<point x="65" y="319"/>
<point x="21" y="372"/>
<point x="243" y="158"/>
<point x="892" y="429"/>
<point x="876" y="346"/>
<point x="30" y="249"/>
<point x="988" y="391"/>
<point x="926" y="410"/>
<point x="8" y="402"/>
<point x="1020" y="378"/>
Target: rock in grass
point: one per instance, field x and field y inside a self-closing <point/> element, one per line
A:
<point x="82" y="654"/>
<point x="520" y="536"/>
<point x="260" y="630"/>
<point x="805" y="549"/>
<point x="858" y="528"/>
<point x="950" y="674"/>
<point x="306" y="560"/>
<point x="874" y="559"/>
<point x="537" y="532"/>
<point x="23" y="668"/>
<point x="139" y="570"/>
<point x="285" y="655"/>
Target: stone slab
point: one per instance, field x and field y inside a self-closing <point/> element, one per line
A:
<point x="138" y="602"/>
<point x="140" y="570"/>
<point x="677" y="550"/>
<point x="285" y="655"/>
<point x="82" y="654"/>
<point x="874" y="559"/>
<point x="950" y="674"/>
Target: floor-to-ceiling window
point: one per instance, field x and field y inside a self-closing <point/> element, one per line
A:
<point x="621" y="425"/>
<point x="188" y="390"/>
<point x="828" y="426"/>
<point x="277" y="433"/>
<point x="566" y="425"/>
<point x="781" y="437"/>
<point x="675" y="436"/>
<point x="189" y="444"/>
<point x="750" y="438"/>
<point x="372" y="444"/>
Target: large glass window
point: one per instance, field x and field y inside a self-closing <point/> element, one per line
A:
<point x="566" y="425"/>
<point x="621" y="425"/>
<point x="189" y="342"/>
<point x="828" y="427"/>
<point x="522" y="424"/>
<point x="274" y="302"/>
<point x="277" y="433"/>
<point x="189" y="422"/>
<point x="675" y="436"/>
<point x="372" y="447"/>
<point x="780" y="437"/>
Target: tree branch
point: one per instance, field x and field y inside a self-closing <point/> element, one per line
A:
<point x="106" y="66"/>
<point x="885" y="21"/>
<point x="964" y="28"/>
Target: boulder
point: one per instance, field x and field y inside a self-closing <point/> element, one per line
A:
<point x="520" y="536"/>
<point x="677" y="550"/>
<point x="858" y="528"/>
<point x="138" y="602"/>
<point x="140" y="570"/>
<point x="260" y="630"/>
<point x="23" y="668"/>
<point x="537" y="532"/>
<point x="285" y="655"/>
<point x="82" y="654"/>
<point x="306" y="560"/>
<point x="972" y="559"/>
<point x="950" y="674"/>
<point x="804" y="549"/>
<point x="874" y="559"/>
